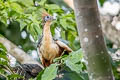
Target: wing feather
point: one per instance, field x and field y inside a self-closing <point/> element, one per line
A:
<point x="63" y="45"/>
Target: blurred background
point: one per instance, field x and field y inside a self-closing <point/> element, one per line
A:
<point x="20" y="23"/>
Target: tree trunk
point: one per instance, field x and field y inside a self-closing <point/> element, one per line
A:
<point x="92" y="41"/>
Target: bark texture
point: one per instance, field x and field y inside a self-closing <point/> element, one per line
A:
<point x="18" y="53"/>
<point x="27" y="70"/>
<point x="92" y="41"/>
<point x="109" y="30"/>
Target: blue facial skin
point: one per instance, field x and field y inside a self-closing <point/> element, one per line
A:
<point x="48" y="18"/>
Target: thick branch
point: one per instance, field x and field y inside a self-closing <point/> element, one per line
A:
<point x="18" y="53"/>
<point x="27" y="70"/>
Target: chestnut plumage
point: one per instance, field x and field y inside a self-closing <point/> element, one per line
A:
<point x="48" y="48"/>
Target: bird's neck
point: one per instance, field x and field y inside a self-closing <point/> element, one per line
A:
<point x="47" y="36"/>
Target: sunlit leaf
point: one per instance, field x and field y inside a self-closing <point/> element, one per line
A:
<point x="16" y="7"/>
<point x="52" y="6"/>
<point x="14" y="76"/>
<point x="3" y="62"/>
<point x="22" y="24"/>
<point x="42" y="2"/>
<point x="30" y="10"/>
<point x="3" y="57"/>
<point x="3" y="50"/>
<point x="63" y="23"/>
<point x="73" y="61"/>
<point x="4" y="20"/>
<point x="26" y="3"/>
<point x="13" y="0"/>
<point x="50" y="72"/>
<point x="38" y="29"/>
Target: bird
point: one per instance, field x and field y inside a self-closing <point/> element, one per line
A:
<point x="49" y="48"/>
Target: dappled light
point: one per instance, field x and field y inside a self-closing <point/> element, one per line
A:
<point x="59" y="40"/>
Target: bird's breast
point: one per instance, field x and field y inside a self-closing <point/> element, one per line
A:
<point x="49" y="51"/>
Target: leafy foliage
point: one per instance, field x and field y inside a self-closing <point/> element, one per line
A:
<point x="51" y="71"/>
<point x="69" y="63"/>
<point x="29" y="16"/>
<point x="26" y="14"/>
<point x="4" y="65"/>
<point x="116" y="65"/>
<point x="3" y="55"/>
<point x="102" y="2"/>
<point x="74" y="61"/>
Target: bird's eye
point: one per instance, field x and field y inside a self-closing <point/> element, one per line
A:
<point x="47" y="18"/>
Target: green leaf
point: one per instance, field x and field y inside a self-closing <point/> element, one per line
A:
<point x="42" y="2"/>
<point x="1" y="35"/>
<point x="3" y="19"/>
<point x="73" y="66"/>
<point x="39" y="76"/>
<point x="14" y="76"/>
<point x="33" y="31"/>
<point x="26" y="3"/>
<point x="63" y="23"/>
<point x="71" y="75"/>
<point x="38" y="29"/>
<point x="13" y="0"/>
<point x="50" y="72"/>
<point x="74" y="61"/>
<point x="3" y="50"/>
<point x="2" y="71"/>
<point x="3" y="62"/>
<point x="63" y="34"/>
<point x="16" y="7"/>
<point x="52" y="6"/>
<point x="32" y="79"/>
<point x="102" y="2"/>
<point x="22" y="25"/>
<point x="70" y="27"/>
<point x="29" y="10"/>
<point x="3" y="57"/>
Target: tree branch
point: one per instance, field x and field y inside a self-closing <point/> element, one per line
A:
<point x="18" y="53"/>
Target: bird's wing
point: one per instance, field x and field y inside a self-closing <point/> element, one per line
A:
<point x="39" y="41"/>
<point x="40" y="56"/>
<point x="63" y="45"/>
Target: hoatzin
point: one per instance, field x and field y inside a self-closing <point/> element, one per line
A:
<point x="49" y="48"/>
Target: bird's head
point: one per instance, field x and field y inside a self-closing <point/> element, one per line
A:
<point x="46" y="17"/>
